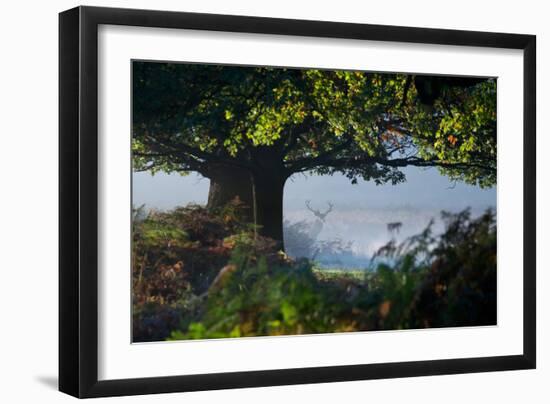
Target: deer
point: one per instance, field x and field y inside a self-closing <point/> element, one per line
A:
<point x="394" y="227"/>
<point x="318" y="213"/>
<point x="317" y="227"/>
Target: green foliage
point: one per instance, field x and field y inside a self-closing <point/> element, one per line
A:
<point x="465" y="131"/>
<point x="365" y="125"/>
<point x="442" y="281"/>
<point x="262" y="300"/>
<point x="176" y="256"/>
<point x="252" y="290"/>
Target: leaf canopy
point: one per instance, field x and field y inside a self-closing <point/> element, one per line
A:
<point x="362" y="124"/>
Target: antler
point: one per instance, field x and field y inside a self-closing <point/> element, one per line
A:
<point x="314" y="211"/>
<point x="318" y="213"/>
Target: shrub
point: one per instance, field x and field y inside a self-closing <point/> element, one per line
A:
<point x="203" y="275"/>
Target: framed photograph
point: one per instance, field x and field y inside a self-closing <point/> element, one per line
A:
<point x="251" y="201"/>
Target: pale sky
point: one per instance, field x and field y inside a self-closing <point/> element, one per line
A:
<point x="424" y="189"/>
<point x="361" y="212"/>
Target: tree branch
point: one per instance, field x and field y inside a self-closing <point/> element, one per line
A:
<point x="185" y="153"/>
<point x="357" y="162"/>
<point x="301" y="164"/>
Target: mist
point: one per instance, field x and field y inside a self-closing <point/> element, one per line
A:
<point x="358" y="221"/>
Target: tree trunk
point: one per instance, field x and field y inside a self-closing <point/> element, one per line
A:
<point x="268" y="195"/>
<point x="261" y="193"/>
<point x="228" y="183"/>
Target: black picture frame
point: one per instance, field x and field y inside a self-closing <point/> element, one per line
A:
<point x="78" y="201"/>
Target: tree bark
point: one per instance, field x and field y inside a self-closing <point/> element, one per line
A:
<point x="268" y="208"/>
<point x="226" y="184"/>
<point x="261" y="193"/>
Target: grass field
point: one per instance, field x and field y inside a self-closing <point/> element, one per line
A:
<point x="329" y="274"/>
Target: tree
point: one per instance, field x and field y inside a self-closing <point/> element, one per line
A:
<point x="248" y="129"/>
